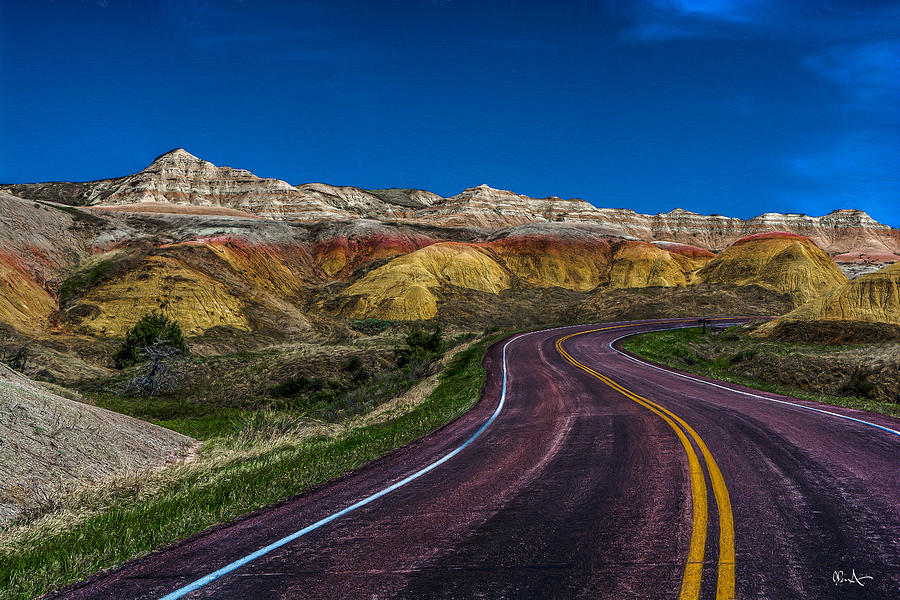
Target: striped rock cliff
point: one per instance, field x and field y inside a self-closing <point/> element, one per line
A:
<point x="180" y="179"/>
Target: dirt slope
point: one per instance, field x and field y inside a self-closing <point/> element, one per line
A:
<point x="406" y="287"/>
<point x="50" y="444"/>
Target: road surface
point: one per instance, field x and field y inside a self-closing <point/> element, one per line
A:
<point x="599" y="477"/>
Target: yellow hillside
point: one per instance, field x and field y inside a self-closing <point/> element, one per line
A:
<point x="873" y="297"/>
<point x="405" y="287"/>
<point x="782" y="262"/>
<point x="641" y="264"/>
<point x="408" y="287"/>
<point x="283" y="271"/>
<point x="24" y="304"/>
<point x="160" y="283"/>
<point x="549" y="262"/>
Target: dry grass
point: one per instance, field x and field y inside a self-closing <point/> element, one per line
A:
<point x="862" y="376"/>
<point x="276" y="456"/>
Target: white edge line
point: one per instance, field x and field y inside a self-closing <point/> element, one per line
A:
<point x="187" y="589"/>
<point x="730" y="389"/>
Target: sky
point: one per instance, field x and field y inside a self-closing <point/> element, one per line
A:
<point x="735" y="107"/>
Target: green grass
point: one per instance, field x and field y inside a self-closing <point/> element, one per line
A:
<point x="83" y="279"/>
<point x="115" y="527"/>
<point x="689" y="350"/>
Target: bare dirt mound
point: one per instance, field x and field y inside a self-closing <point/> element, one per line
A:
<point x="871" y="298"/>
<point x="406" y="287"/>
<point x="43" y="239"/>
<point x="642" y="264"/>
<point x="24" y="304"/>
<point x="421" y="284"/>
<point x="782" y="262"/>
<point x="50" y="445"/>
<point x="571" y="256"/>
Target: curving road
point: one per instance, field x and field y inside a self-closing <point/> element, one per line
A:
<point x="599" y="477"/>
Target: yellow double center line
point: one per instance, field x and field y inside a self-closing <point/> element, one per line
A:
<point x="693" y="571"/>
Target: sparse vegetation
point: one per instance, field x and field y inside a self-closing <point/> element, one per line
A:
<point x="274" y="455"/>
<point x="855" y="376"/>
<point x="83" y="279"/>
<point x="370" y="326"/>
<point x="151" y="329"/>
<point x="16" y="360"/>
<point x="420" y="346"/>
<point x="160" y="372"/>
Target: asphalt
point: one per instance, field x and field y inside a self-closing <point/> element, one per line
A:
<point x="576" y="491"/>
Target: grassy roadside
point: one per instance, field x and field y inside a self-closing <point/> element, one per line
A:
<point x="140" y="515"/>
<point x="731" y="356"/>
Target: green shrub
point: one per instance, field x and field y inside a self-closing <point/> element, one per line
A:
<point x="297" y="386"/>
<point x="146" y="332"/>
<point x="421" y="346"/>
<point x="355" y="368"/>
<point x="370" y="326"/>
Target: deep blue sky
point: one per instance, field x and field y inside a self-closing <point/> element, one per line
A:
<point x="736" y="107"/>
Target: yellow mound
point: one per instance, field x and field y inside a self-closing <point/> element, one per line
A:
<point x="641" y="264"/>
<point x="874" y="297"/>
<point x="24" y="304"/>
<point x="548" y="262"/>
<point x="160" y="283"/>
<point x="283" y="271"/>
<point x="408" y="287"/>
<point x="341" y="256"/>
<point x="405" y="287"/>
<point x="781" y="262"/>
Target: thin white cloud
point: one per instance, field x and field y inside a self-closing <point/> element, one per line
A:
<point x="797" y="21"/>
<point x="738" y="11"/>
<point x="868" y="71"/>
<point x="663" y="20"/>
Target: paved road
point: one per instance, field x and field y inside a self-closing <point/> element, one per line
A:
<point x="601" y="477"/>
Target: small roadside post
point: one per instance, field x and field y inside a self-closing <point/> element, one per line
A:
<point x="704" y="323"/>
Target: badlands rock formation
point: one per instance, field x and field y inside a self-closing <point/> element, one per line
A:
<point x="874" y="297"/>
<point x="42" y="240"/>
<point x="24" y="304"/>
<point x="240" y="274"/>
<point x="577" y="258"/>
<point x="641" y="264"/>
<point x="406" y="287"/>
<point x="573" y="256"/>
<point x="160" y="283"/>
<point x="782" y="262"/>
<point x="181" y="179"/>
<point x="218" y="247"/>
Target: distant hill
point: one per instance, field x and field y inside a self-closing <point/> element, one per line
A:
<point x="181" y="178"/>
<point x="232" y="255"/>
